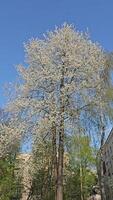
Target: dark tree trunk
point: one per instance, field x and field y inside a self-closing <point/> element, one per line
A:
<point x="54" y="158"/>
<point x="61" y="143"/>
<point x="60" y="165"/>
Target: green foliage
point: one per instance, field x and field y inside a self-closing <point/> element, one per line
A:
<point x="42" y="185"/>
<point x="72" y="187"/>
<point x="81" y="151"/>
<point x="82" y="174"/>
<point x="9" y="184"/>
<point x="42" y="180"/>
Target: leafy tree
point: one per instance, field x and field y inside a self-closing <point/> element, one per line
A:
<point x="9" y="183"/>
<point x="72" y="187"/>
<point x="82" y="159"/>
<point x="42" y="186"/>
<point x="62" y="67"/>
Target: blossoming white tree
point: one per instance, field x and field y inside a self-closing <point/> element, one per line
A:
<point x="62" y="67"/>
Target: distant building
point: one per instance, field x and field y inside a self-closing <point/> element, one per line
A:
<point x="107" y="152"/>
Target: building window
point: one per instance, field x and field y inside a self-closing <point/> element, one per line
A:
<point x="110" y="149"/>
<point x="104" y="168"/>
<point x="108" y="152"/>
<point x="109" y="173"/>
<point x="105" y="153"/>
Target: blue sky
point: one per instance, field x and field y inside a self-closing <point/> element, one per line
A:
<point x="23" y="19"/>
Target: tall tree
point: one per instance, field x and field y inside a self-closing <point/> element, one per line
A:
<point x="62" y="67"/>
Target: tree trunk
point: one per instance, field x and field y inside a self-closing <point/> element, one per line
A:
<point x="102" y="187"/>
<point x="61" y="142"/>
<point x="54" y="158"/>
<point x="60" y="166"/>
<point x="81" y="182"/>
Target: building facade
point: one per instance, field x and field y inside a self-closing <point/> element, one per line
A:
<point x="107" y="158"/>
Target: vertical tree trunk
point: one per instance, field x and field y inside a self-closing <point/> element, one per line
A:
<point x="61" y="142"/>
<point x="60" y="165"/>
<point x="54" y="157"/>
<point x="102" y="187"/>
<point x="60" y="168"/>
<point x="81" y="168"/>
<point x="81" y="182"/>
